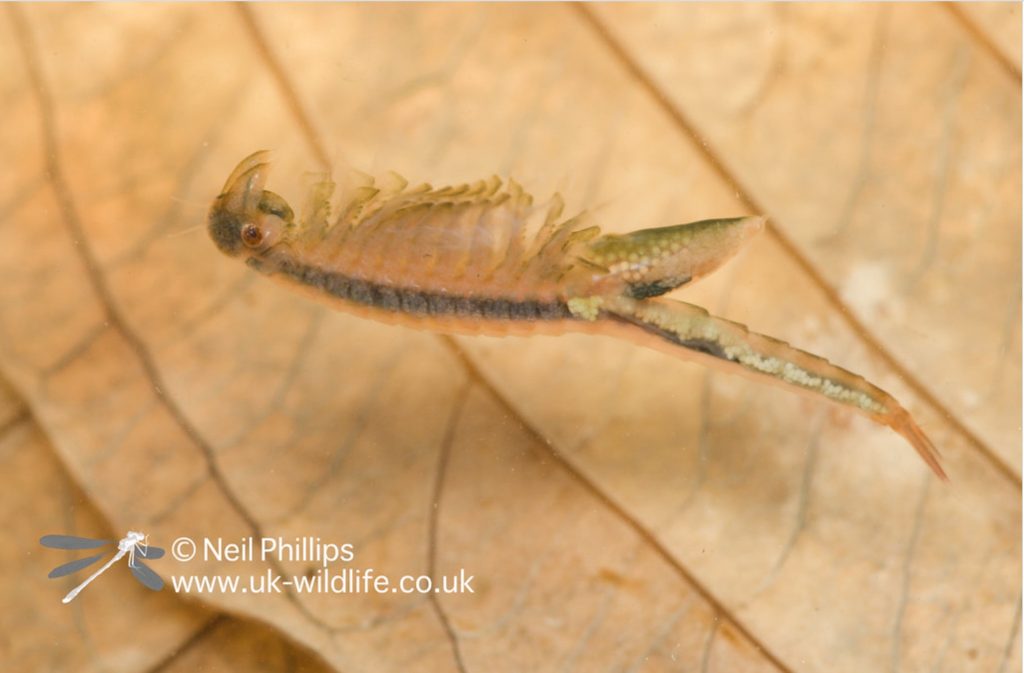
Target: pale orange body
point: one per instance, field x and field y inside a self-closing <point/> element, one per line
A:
<point x="482" y="259"/>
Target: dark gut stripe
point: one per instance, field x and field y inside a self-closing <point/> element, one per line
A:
<point x="412" y="301"/>
<point x="715" y="350"/>
<point x="706" y="346"/>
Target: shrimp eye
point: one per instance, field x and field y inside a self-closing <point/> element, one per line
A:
<point x="252" y="235"/>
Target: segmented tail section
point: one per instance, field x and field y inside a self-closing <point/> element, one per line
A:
<point x="691" y="332"/>
<point x="900" y="420"/>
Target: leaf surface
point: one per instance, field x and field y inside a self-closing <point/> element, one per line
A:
<point x="618" y="510"/>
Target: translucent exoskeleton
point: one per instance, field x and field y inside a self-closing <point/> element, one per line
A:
<point x="482" y="259"/>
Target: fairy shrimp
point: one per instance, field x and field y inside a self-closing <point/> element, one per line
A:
<point x="480" y="258"/>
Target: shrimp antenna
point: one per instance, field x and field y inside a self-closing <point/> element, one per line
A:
<point x="247" y="164"/>
<point x="182" y="232"/>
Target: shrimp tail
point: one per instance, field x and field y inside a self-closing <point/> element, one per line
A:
<point x="900" y="420"/>
<point x="688" y="331"/>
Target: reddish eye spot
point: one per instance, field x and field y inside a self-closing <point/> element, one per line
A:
<point x="252" y="235"/>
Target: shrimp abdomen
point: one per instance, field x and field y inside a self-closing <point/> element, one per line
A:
<point x="691" y="332"/>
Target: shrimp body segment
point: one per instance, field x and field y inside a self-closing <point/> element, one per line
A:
<point x="481" y="258"/>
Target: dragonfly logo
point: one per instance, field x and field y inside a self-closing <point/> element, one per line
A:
<point x="133" y="545"/>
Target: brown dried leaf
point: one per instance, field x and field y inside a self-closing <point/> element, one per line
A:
<point x="999" y="25"/>
<point x="692" y="521"/>
<point x="230" y="645"/>
<point x="99" y="630"/>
